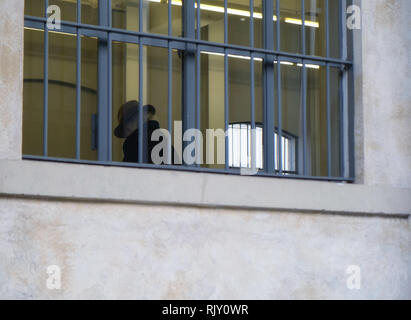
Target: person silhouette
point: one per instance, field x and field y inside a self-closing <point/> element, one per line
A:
<point x="128" y="128"/>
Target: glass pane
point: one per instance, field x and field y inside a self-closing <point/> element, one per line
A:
<point x="239" y="131"/>
<point x="62" y="96"/>
<point x="89" y="12"/>
<point x="259" y="111"/>
<point x="68" y="9"/>
<point x="177" y="97"/>
<point x="155" y="97"/>
<point x="275" y="17"/>
<point x="258" y="24"/>
<point x="33" y="92"/>
<point x="155" y="87"/>
<point x="125" y="88"/>
<point x="291" y="137"/>
<point x="315" y="29"/>
<point x="316" y="122"/>
<point x="335" y="79"/>
<point x="212" y="20"/>
<point x="212" y="108"/>
<point x="34" y="8"/>
<point x="176" y="18"/>
<point x="335" y="21"/>
<point x="125" y="14"/>
<point x="239" y="22"/>
<point x="290" y="16"/>
<point x="239" y="110"/>
<point x="89" y="97"/>
<point x="155" y="16"/>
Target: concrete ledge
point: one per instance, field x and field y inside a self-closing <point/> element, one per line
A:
<point x="26" y="178"/>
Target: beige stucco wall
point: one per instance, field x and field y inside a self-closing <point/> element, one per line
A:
<point x="163" y="237"/>
<point x="383" y="127"/>
<point x="11" y="84"/>
<point x="133" y="251"/>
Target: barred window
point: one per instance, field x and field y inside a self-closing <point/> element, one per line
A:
<point x="119" y="80"/>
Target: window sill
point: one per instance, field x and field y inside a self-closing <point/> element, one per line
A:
<point x="79" y="182"/>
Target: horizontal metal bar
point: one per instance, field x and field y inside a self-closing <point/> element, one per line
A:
<point x="196" y="41"/>
<point x="182" y="168"/>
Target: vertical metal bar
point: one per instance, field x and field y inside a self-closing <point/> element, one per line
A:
<point x="170" y="26"/>
<point x="46" y="83"/>
<point x="350" y="126"/>
<point x="327" y="45"/>
<point x="344" y="124"/>
<point x="140" y="82"/>
<point x="198" y="89"/>
<point x="279" y="96"/>
<point x="140" y="17"/>
<point x="103" y="81"/>
<point x="170" y="98"/>
<point x="304" y="125"/>
<point x="78" y="11"/>
<point x="253" y="142"/>
<point x="141" y="99"/>
<point x="110" y="98"/>
<point x="198" y="74"/>
<point x="198" y="19"/>
<point x="252" y="97"/>
<point x="303" y="45"/>
<point x="189" y="65"/>
<point x="269" y="114"/>
<point x="346" y="111"/>
<point x="109" y="14"/>
<point x="327" y="28"/>
<point x="328" y="120"/>
<point x="343" y="30"/>
<point x="280" y="118"/>
<point x="78" y="93"/>
<point x="226" y="106"/>
<point x="277" y="4"/>
<point x="225" y="22"/>
<point x="252" y="24"/>
<point x="226" y="83"/>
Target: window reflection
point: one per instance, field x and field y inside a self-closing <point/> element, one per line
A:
<point x="154" y="102"/>
<point x="62" y="113"/>
<point x="68" y="9"/>
<point x="239" y="103"/>
<point x="34" y="8"/>
<point x="238" y="24"/>
<point x="33" y="92"/>
<point x="315" y="34"/>
<point x="125" y="15"/>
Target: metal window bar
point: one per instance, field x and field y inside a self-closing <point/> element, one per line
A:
<point x="269" y="137"/>
<point x="78" y="84"/>
<point x="253" y="142"/>
<point x="279" y="115"/>
<point x="46" y="83"/>
<point x="106" y="34"/>
<point x="170" y="100"/>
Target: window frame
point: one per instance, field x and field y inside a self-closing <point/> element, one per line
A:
<point x="192" y="45"/>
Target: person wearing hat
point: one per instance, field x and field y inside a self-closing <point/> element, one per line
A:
<point x="128" y="118"/>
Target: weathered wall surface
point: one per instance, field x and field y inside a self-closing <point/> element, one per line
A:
<point x="11" y="84"/>
<point x="386" y="91"/>
<point x="132" y="251"/>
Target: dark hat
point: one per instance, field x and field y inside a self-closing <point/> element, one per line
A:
<point x="128" y="118"/>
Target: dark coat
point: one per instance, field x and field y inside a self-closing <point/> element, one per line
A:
<point x="130" y="146"/>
